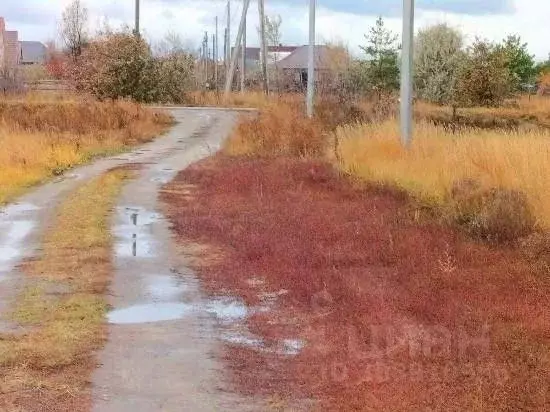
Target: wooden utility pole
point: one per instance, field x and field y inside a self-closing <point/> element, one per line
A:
<point x="263" y="47"/>
<point x="235" y="54"/>
<point x="137" y="16"/>
<point x="243" y="60"/>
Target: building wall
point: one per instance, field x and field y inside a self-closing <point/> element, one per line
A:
<point x="9" y="49"/>
<point x="2" y="47"/>
<point x="13" y="51"/>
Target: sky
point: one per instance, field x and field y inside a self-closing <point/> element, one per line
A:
<point x="342" y="21"/>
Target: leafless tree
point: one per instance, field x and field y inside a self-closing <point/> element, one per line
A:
<point x="74" y="28"/>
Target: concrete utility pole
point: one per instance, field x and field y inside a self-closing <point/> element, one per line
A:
<point x="214" y="62"/>
<point x="407" y="73"/>
<point x="216" y="51"/>
<point x="207" y="54"/>
<point x="235" y="54"/>
<point x="311" y="61"/>
<point x="243" y="59"/>
<point x="263" y="47"/>
<point x="228" y="51"/>
<point x="136" y="28"/>
<point x="225" y="43"/>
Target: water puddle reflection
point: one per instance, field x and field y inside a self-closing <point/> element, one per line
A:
<point x="148" y="313"/>
<point x="17" y="221"/>
<point x="134" y="233"/>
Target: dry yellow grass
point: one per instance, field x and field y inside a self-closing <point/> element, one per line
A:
<point x="48" y="367"/>
<point x="236" y="99"/>
<point x="534" y="111"/>
<point x="41" y="139"/>
<point x="439" y="159"/>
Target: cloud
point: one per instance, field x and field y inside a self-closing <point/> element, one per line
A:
<point x="394" y="7"/>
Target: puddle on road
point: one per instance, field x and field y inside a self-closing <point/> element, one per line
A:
<point x="15" y="226"/>
<point x="18" y="208"/>
<point x="134" y="237"/>
<point x="164" y="287"/>
<point x="227" y="310"/>
<point x="149" y="313"/>
<point x="285" y="347"/>
<point x="163" y="176"/>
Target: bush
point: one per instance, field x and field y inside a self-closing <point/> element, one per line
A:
<point x="483" y="78"/>
<point x="496" y="214"/>
<point x="281" y="130"/>
<point x="122" y="65"/>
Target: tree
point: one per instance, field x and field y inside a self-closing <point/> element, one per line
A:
<point x="483" y="78"/>
<point x="438" y="54"/>
<point x="380" y="72"/>
<point x="542" y="68"/>
<point x="519" y="62"/>
<point x="74" y="28"/>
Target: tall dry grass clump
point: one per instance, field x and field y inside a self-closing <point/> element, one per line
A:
<point x="279" y="130"/>
<point x="43" y="139"/>
<point x="438" y="163"/>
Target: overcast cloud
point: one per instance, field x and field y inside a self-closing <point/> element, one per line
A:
<point x="338" y="20"/>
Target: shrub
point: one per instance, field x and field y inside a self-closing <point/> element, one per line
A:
<point x="496" y="214"/>
<point x="281" y="130"/>
<point x="483" y="78"/>
<point x="122" y="65"/>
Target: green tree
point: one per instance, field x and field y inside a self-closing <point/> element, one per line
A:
<point x="520" y="63"/>
<point x="380" y="71"/>
<point x="483" y="78"/>
<point x="542" y="68"/>
<point x="438" y="55"/>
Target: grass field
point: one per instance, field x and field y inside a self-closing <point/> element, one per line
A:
<point x="364" y="143"/>
<point x="42" y="137"/>
<point x="439" y="160"/>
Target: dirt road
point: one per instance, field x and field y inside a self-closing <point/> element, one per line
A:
<point x="162" y="330"/>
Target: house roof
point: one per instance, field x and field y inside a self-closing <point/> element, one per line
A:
<point x="298" y="59"/>
<point x="32" y="52"/>
<point x="253" y="53"/>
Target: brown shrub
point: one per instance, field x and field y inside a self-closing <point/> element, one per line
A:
<point x="496" y="214"/>
<point x="281" y="130"/>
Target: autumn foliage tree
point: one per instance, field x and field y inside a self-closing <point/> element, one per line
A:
<point x="122" y="65"/>
<point x="483" y="78"/>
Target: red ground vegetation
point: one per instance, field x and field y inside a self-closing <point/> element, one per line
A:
<point x="396" y="313"/>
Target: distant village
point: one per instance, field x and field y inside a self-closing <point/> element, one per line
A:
<point x="15" y="52"/>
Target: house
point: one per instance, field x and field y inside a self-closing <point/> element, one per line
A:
<point x="9" y="50"/>
<point x="32" y="52"/>
<point x="330" y="63"/>
<point x="274" y="54"/>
